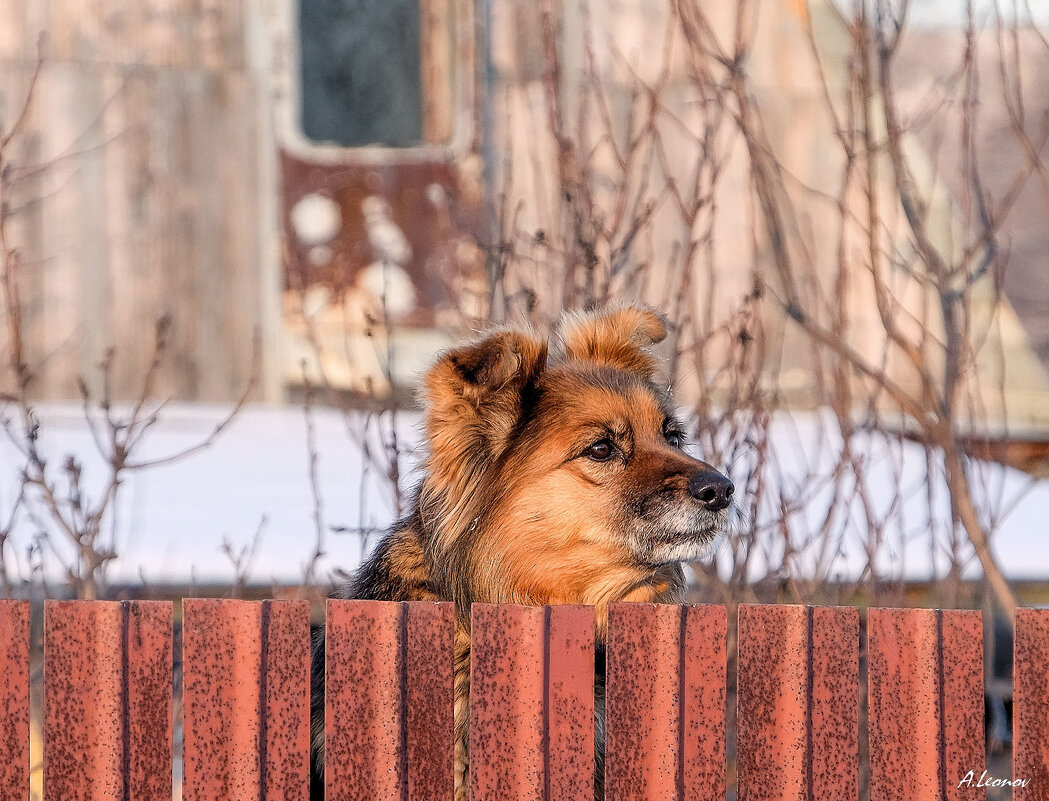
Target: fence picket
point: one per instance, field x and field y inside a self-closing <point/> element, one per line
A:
<point x="834" y="712"/>
<point x="925" y="679"/>
<point x="286" y="672"/>
<point x="246" y="700"/>
<point x="704" y="664"/>
<point x="797" y="702"/>
<point x="531" y="703"/>
<point x="379" y="654"/>
<point x="429" y="693"/>
<point x="107" y="700"/>
<point x="148" y="655"/>
<point x="665" y="702"/>
<point x="1031" y="704"/>
<point x="569" y="702"/>
<point x="389" y="702"/>
<point x="14" y="700"/>
<point x="506" y="703"/>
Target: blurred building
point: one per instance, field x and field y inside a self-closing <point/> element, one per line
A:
<point x="311" y="176"/>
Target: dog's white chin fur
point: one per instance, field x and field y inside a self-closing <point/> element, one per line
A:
<point x="685" y="536"/>
<point x="689" y="551"/>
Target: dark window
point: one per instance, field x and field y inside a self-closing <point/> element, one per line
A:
<point x="360" y="71"/>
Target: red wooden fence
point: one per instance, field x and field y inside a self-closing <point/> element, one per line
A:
<point x="108" y="702"/>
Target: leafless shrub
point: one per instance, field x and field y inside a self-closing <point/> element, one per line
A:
<point x="636" y="203"/>
<point x="242" y="559"/>
<point x="75" y="524"/>
<point x="371" y="420"/>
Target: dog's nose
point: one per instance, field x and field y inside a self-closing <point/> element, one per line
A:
<point x="711" y="489"/>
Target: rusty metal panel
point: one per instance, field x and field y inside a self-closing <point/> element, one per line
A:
<point x="643" y="702"/>
<point x="389" y="700"/>
<point x="772" y="701"/>
<point x="408" y="188"/>
<point x="107" y="700"/>
<point x="147" y="689"/>
<point x="926" y="703"/>
<point x="285" y="725"/>
<point x="83" y="701"/>
<point x="246" y="693"/>
<point x="798" y="702"/>
<point x="703" y="684"/>
<point x="364" y="739"/>
<point x="14" y="700"/>
<point x="569" y="702"/>
<point x="83" y="729"/>
<point x="429" y="662"/>
<point x="960" y="662"/>
<point x="903" y="692"/>
<point x="1031" y="704"/>
<point x="506" y="703"/>
<point x="903" y="689"/>
<point x="222" y="653"/>
<point x="834" y="670"/>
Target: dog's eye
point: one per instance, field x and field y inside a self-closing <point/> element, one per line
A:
<point x="600" y="451"/>
<point x="675" y="440"/>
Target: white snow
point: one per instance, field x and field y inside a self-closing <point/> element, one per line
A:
<point x="172" y="519"/>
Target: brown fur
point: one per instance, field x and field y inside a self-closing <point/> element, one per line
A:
<point x="514" y="506"/>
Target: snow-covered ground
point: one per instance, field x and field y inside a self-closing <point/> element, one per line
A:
<point x="172" y="519"/>
<point x="952" y="13"/>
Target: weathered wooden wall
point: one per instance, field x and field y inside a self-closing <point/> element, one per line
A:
<point x="143" y="184"/>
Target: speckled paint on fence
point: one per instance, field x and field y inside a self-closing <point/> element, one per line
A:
<point x="703" y="708"/>
<point x="506" y="703"/>
<point x="772" y="702"/>
<point x="962" y="710"/>
<point x="642" y="702"/>
<point x="83" y="730"/>
<point x="388" y="701"/>
<point x="14" y="700"/>
<point x="797" y="702"/>
<point x="221" y="653"/>
<point x="1031" y="704"/>
<point x="531" y="703"/>
<point x="363" y="738"/>
<point x="285" y="672"/>
<point x="107" y="700"/>
<point x="569" y="702"/>
<point x="834" y="711"/>
<point x="246" y="691"/>
<point x="665" y="702"/>
<point x="429" y="693"/>
<point x="925" y="688"/>
<point x="148" y="658"/>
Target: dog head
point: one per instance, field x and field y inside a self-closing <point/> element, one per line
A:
<point x="564" y="479"/>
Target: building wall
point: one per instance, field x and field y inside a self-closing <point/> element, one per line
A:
<point x="142" y="184"/>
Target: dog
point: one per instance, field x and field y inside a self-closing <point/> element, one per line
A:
<point x="554" y="475"/>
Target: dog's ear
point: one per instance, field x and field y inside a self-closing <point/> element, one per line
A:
<point x="475" y="397"/>
<point x="617" y="337"/>
<point x="475" y="393"/>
